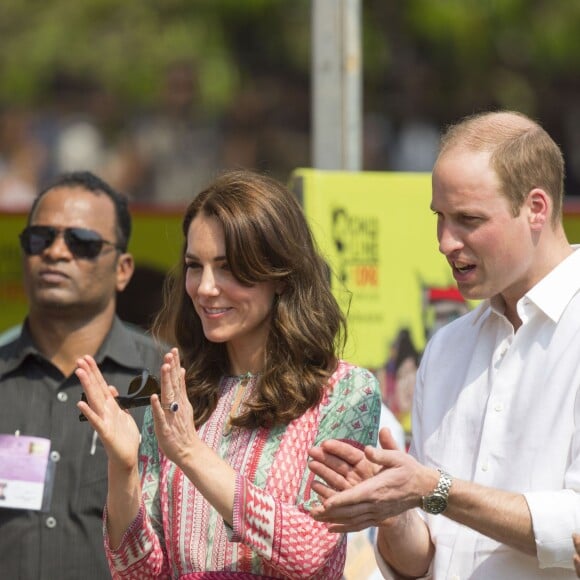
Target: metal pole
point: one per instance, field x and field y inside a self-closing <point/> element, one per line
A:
<point x="337" y="84"/>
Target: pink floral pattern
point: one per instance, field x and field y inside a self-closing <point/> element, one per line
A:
<point x="178" y="534"/>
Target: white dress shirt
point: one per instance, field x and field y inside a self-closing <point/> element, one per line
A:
<point x="502" y="409"/>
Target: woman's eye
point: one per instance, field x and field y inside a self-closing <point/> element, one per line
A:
<point x="192" y="265"/>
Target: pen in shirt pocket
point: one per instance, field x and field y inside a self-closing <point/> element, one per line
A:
<point x="94" y="443"/>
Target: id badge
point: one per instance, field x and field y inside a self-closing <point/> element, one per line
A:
<point x="26" y="472"/>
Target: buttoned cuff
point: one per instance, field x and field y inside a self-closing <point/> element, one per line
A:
<point x="555" y="517"/>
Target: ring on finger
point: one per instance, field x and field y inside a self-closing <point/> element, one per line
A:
<point x="173" y="407"/>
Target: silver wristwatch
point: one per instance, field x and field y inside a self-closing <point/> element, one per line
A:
<point x="436" y="502"/>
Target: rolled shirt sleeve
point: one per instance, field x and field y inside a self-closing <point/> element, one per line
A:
<point x="555" y="517"/>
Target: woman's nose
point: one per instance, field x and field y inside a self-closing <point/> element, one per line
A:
<point x="207" y="283"/>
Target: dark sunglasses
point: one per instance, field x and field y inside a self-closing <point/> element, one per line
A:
<point x="81" y="242"/>
<point x="138" y="394"/>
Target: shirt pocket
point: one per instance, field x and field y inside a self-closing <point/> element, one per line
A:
<point x="92" y="488"/>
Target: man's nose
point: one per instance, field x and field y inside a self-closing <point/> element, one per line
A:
<point x="449" y="240"/>
<point x="58" y="247"/>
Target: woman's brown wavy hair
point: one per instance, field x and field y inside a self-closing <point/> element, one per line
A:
<point x="266" y="238"/>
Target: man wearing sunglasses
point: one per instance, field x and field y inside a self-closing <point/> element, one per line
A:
<point x="75" y="260"/>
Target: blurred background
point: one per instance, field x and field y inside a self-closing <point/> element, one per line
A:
<point x="159" y="96"/>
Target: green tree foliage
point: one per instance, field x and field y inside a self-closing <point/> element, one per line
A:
<point x="476" y="51"/>
<point x="125" y="46"/>
<point x="434" y="59"/>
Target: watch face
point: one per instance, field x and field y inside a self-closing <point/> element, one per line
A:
<point x="434" y="504"/>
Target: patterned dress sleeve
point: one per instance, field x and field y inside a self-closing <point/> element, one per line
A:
<point x="141" y="553"/>
<point x="274" y="521"/>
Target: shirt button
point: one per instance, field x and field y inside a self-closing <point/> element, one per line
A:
<point x="55" y="456"/>
<point x="484" y="466"/>
<point x="62" y="396"/>
<point x="499" y="407"/>
<point x="455" y="577"/>
<point x="50" y="522"/>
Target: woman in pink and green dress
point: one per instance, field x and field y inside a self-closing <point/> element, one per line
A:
<point x="217" y="484"/>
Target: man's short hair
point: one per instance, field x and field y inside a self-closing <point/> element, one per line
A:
<point x="90" y="182"/>
<point x="522" y="154"/>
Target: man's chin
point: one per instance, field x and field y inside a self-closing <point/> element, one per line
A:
<point x="52" y="297"/>
<point x="55" y="302"/>
<point x="470" y="292"/>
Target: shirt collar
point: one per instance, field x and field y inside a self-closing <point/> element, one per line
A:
<point x="14" y="353"/>
<point x="553" y="293"/>
<point x="119" y="346"/>
<point x="483" y="309"/>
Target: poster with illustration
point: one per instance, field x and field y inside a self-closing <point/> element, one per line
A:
<point x="378" y="235"/>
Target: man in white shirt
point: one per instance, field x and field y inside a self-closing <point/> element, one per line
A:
<point x="496" y="412"/>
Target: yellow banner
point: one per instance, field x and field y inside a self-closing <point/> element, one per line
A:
<point x="379" y="236"/>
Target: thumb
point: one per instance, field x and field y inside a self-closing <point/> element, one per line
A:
<point x="387" y="455"/>
<point x="387" y="440"/>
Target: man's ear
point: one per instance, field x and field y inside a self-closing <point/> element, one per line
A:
<point x="125" y="269"/>
<point x="540" y="208"/>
